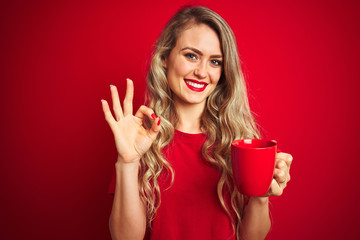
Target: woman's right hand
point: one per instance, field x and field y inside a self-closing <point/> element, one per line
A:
<point x="131" y="138"/>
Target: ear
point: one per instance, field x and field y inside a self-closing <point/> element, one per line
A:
<point x="164" y="63"/>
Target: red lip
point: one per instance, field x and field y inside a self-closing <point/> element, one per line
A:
<point x="194" y="88"/>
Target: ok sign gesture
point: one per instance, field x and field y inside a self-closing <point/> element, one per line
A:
<point x="131" y="138"/>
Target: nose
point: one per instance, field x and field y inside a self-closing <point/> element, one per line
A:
<point x="200" y="70"/>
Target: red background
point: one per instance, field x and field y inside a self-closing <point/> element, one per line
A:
<point x="58" y="59"/>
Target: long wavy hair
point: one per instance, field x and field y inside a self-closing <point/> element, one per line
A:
<point x="226" y="117"/>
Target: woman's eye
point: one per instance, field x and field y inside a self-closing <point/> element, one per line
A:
<point x="216" y="62"/>
<point x="191" y="56"/>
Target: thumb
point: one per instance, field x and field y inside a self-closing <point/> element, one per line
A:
<point x="275" y="189"/>
<point x="155" y="128"/>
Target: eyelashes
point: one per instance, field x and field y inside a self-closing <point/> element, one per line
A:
<point x="216" y="62"/>
<point x="194" y="57"/>
<point x="191" y="56"/>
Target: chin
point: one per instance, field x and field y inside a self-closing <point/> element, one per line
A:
<point x="195" y="101"/>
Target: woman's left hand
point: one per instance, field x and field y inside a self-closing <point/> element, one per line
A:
<point x="281" y="174"/>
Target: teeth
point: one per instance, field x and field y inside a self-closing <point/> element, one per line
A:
<point x="197" y="85"/>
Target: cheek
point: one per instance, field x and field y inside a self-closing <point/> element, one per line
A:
<point x="177" y="70"/>
<point x="182" y="68"/>
<point x="215" y="75"/>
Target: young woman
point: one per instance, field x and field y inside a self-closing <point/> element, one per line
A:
<point x="173" y="172"/>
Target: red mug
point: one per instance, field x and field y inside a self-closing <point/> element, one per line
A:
<point x="253" y="163"/>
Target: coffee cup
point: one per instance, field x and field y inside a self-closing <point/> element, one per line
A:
<point x="253" y="163"/>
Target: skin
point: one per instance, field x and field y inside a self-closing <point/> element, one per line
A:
<point x="197" y="56"/>
<point x="132" y="140"/>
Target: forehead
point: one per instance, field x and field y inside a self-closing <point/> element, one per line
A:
<point x="199" y="36"/>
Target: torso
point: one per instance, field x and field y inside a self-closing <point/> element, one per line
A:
<point x="190" y="208"/>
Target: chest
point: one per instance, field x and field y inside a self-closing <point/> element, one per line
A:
<point x="193" y="174"/>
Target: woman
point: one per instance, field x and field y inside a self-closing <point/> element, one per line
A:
<point x="173" y="172"/>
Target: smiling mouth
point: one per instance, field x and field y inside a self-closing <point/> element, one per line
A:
<point x="195" y="86"/>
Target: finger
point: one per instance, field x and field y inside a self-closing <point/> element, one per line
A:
<point x="145" y="111"/>
<point x="275" y="189"/>
<point x="281" y="155"/>
<point x="281" y="164"/>
<point x="128" y="101"/>
<point x="289" y="160"/>
<point x="106" y="109"/>
<point x="285" y="157"/>
<point x="280" y="176"/>
<point x="286" y="169"/>
<point x="116" y="102"/>
<point x="284" y="164"/>
<point x="155" y="128"/>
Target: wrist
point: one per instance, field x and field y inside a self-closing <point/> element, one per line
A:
<point x="127" y="160"/>
<point x="259" y="200"/>
<point x="120" y="164"/>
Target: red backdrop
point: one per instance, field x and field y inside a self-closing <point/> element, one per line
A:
<point x="58" y="59"/>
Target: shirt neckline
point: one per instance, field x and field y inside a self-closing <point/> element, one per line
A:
<point x="189" y="137"/>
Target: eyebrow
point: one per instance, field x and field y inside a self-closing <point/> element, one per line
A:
<point x="199" y="52"/>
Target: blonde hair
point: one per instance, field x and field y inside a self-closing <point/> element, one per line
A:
<point x="226" y="117"/>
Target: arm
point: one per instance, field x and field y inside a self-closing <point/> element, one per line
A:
<point x="128" y="215"/>
<point x="256" y="221"/>
<point x="132" y="140"/>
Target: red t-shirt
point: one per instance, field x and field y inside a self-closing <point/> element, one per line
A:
<point x="190" y="208"/>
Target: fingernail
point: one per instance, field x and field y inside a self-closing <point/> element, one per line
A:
<point x="111" y="85"/>
<point x="159" y="121"/>
<point x="153" y="115"/>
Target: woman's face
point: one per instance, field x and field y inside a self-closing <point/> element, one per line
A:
<point x="194" y="65"/>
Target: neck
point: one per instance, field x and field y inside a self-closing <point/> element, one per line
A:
<point x="189" y="117"/>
